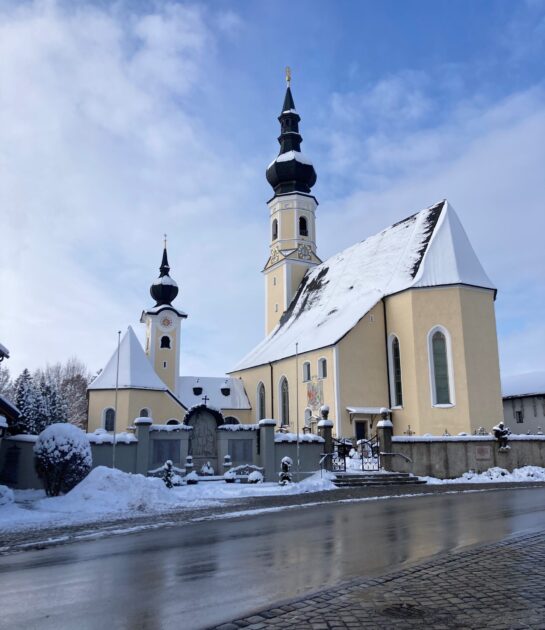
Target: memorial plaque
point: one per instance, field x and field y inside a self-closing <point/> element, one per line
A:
<point x="483" y="452"/>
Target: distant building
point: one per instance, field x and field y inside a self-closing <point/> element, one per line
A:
<point x="524" y="402"/>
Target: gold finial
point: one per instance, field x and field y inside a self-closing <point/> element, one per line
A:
<point x="288" y="75"/>
<point x="165" y="240"/>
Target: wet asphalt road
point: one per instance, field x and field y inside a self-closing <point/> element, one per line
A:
<point x="197" y="575"/>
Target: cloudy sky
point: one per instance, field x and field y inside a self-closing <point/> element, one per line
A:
<point x="120" y="121"/>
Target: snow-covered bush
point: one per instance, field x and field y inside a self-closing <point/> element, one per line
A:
<point x="230" y="476"/>
<point x="255" y="477"/>
<point x="168" y="474"/>
<point x="62" y="456"/>
<point x="191" y="478"/>
<point x="6" y="495"/>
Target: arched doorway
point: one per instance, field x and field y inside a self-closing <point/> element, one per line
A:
<point x="203" y="445"/>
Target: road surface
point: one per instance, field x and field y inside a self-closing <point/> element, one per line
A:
<point x="205" y="573"/>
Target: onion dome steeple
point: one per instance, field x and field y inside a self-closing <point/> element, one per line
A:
<point x="290" y="171"/>
<point x="164" y="289"/>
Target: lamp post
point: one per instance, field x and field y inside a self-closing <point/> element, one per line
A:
<point x="116" y="389"/>
<point x="297" y="403"/>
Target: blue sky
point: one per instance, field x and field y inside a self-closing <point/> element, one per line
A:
<point x="122" y="121"/>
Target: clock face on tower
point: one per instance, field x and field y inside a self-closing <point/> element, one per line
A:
<point x="166" y="322"/>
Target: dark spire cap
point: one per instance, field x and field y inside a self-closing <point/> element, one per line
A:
<point x="288" y="101"/>
<point x="164" y="289"/>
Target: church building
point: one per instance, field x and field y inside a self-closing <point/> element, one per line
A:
<point x="402" y="320"/>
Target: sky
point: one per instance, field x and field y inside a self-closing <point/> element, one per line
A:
<point x="122" y="121"/>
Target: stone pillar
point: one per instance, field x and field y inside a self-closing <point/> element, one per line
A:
<point x="325" y="430"/>
<point x="385" y="430"/>
<point x="266" y="447"/>
<point x="142" y="448"/>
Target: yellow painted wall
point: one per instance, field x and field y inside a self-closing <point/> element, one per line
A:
<point x="274" y="302"/>
<point x="287" y="368"/>
<point x="169" y="374"/>
<point x="162" y="406"/>
<point x="362" y="369"/>
<point x="468" y="315"/>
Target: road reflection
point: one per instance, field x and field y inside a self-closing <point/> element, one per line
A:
<point x="210" y="572"/>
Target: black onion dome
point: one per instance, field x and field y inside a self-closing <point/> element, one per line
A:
<point x="164" y="289"/>
<point x="292" y="172"/>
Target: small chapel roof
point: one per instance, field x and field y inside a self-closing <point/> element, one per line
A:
<point x="427" y="249"/>
<point x="221" y="392"/>
<point x="525" y="384"/>
<point x="135" y="370"/>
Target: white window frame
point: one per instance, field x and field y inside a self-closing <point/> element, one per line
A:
<point x="306" y="380"/>
<point x="321" y="361"/>
<point x="280" y="402"/>
<point x="391" y="370"/>
<point x="450" y="367"/>
<point x="257" y="401"/>
<point x="104" y="418"/>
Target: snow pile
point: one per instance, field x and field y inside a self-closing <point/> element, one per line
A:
<point x="101" y="436"/>
<point x="108" y="490"/>
<point x="238" y="427"/>
<point x="303" y="437"/>
<point x="6" y="495"/>
<point x="169" y="428"/>
<point x="494" y="475"/>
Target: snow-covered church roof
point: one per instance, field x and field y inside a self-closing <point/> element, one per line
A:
<point x="221" y="392"/>
<point x="427" y="249"/>
<point x="135" y="369"/>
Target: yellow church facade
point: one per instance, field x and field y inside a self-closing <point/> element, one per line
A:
<point x="403" y="321"/>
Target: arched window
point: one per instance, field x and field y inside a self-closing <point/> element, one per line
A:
<point x="394" y="359"/>
<point x="274" y="229"/>
<point x="322" y="368"/>
<point x="261" y="411"/>
<point x="306" y="371"/>
<point x="165" y="341"/>
<point x="303" y="227"/>
<point x="109" y="419"/>
<point x="173" y="421"/>
<point x="440" y="366"/>
<point x="144" y="413"/>
<point x="284" y="401"/>
<point x="231" y="420"/>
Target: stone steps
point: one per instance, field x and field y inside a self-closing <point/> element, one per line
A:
<point x="354" y="480"/>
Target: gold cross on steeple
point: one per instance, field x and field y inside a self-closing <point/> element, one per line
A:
<point x="288" y="75"/>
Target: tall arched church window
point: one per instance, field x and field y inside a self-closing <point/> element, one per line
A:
<point x="274" y="229"/>
<point x="109" y="419"/>
<point x="440" y="366"/>
<point x="322" y="368"/>
<point x="165" y="341"/>
<point x="261" y="411"/>
<point x="306" y="371"/>
<point x="396" y="386"/>
<point x="303" y="226"/>
<point x="284" y="401"/>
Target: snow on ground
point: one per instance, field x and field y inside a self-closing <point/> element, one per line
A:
<point x="495" y="475"/>
<point x="106" y="494"/>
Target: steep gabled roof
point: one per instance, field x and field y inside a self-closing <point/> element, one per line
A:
<point x="135" y="369"/>
<point x="427" y="249"/>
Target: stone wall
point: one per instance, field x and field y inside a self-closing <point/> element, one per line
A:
<point x="448" y="457"/>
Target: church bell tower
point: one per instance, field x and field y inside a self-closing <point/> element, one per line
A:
<point x="292" y="216"/>
<point x="163" y="327"/>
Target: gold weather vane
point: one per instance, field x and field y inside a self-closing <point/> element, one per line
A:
<point x="288" y="75"/>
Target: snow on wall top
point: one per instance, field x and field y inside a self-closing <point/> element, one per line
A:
<point x="524" y="384"/>
<point x="189" y="391"/>
<point x="135" y="370"/>
<point x="429" y="248"/>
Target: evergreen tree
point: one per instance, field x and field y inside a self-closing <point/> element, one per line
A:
<point x="27" y="399"/>
<point x="6" y="386"/>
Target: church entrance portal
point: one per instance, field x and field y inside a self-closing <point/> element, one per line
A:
<point x="203" y="443"/>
